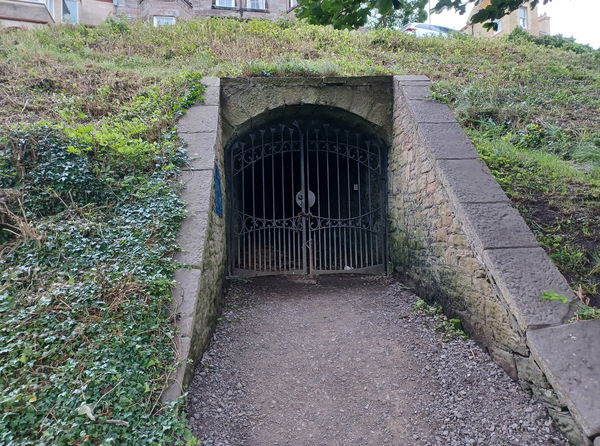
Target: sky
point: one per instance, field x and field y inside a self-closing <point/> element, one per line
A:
<point x="571" y="18"/>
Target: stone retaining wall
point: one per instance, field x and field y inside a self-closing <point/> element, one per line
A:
<point x="453" y="233"/>
<point x="457" y="240"/>
<point x="200" y="280"/>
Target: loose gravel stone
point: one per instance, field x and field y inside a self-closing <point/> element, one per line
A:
<point x="347" y="360"/>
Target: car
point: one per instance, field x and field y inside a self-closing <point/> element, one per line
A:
<point x="427" y="30"/>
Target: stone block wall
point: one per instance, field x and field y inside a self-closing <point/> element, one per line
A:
<point x="456" y="239"/>
<point x="454" y="236"/>
<point x="187" y="9"/>
<point x="200" y="280"/>
<point x="247" y="101"/>
<point x="274" y="9"/>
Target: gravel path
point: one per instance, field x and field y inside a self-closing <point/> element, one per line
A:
<point x="346" y="361"/>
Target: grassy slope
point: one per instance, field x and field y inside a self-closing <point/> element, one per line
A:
<point x="531" y="111"/>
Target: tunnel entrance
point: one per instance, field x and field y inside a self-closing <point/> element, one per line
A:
<point x="307" y="197"/>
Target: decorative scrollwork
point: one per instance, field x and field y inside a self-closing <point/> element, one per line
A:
<point x="285" y="242"/>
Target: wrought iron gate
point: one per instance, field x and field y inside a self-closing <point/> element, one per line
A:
<point x="307" y="197"/>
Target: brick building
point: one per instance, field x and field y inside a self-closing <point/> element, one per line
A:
<point x="32" y="13"/>
<point x="36" y="13"/>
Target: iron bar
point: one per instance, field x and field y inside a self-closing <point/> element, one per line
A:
<point x="349" y="202"/>
<point x="370" y="250"/>
<point x="344" y="234"/>
<point x="360" y="232"/>
<point x="328" y="259"/>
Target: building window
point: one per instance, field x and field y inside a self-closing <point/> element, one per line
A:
<point x="162" y="20"/>
<point x="70" y="11"/>
<point x="225" y="3"/>
<point x="293" y="3"/>
<point x="256" y="4"/>
<point x="498" y="24"/>
<point x="523" y="17"/>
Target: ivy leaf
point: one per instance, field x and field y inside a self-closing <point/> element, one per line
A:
<point x="86" y="410"/>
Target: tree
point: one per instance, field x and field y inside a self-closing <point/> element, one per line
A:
<point x="494" y="11"/>
<point x="410" y="11"/>
<point x="352" y="14"/>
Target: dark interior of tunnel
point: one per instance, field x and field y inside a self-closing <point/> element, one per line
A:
<point x="342" y="224"/>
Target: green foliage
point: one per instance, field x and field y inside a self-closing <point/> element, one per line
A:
<point x="409" y="11"/>
<point x="85" y="334"/>
<point x="352" y="14"/>
<point x="586" y="312"/>
<point x="559" y="202"/>
<point x="554" y="296"/>
<point x="556" y="41"/>
<point x="451" y="328"/>
<point x="583" y="312"/>
<point x="341" y="14"/>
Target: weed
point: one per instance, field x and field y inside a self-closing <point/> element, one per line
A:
<point x="450" y="328"/>
<point x="85" y="337"/>
<point x="583" y="310"/>
<point x="553" y="296"/>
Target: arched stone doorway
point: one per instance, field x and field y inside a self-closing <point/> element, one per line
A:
<point x="307" y="195"/>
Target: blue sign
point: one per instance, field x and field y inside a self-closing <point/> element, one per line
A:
<point x="218" y="193"/>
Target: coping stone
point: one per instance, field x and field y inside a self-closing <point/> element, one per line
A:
<point x="177" y="377"/>
<point x="185" y="292"/>
<point x="199" y="118"/>
<point x="200" y="149"/>
<point x="196" y="193"/>
<point x="410" y="79"/>
<point x="497" y="225"/>
<point x="569" y="355"/>
<point x="196" y="190"/>
<point x="211" y="81"/>
<point x="430" y="111"/>
<point x="212" y="96"/>
<point x="417" y="92"/>
<point x="523" y="275"/>
<point x="303" y="81"/>
<point x="447" y="140"/>
<point x="470" y="181"/>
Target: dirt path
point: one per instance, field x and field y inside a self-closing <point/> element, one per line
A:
<point x="346" y="361"/>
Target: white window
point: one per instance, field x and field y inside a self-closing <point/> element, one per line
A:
<point x="70" y="11"/>
<point x="225" y="3"/>
<point x="498" y="24"/>
<point x="523" y="17"/>
<point x="161" y="20"/>
<point x="256" y="4"/>
<point x="293" y="3"/>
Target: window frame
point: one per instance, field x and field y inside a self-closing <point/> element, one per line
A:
<point x="499" y="27"/>
<point x="523" y="17"/>
<point x="216" y="4"/>
<point x="62" y="11"/>
<point x="264" y="5"/>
